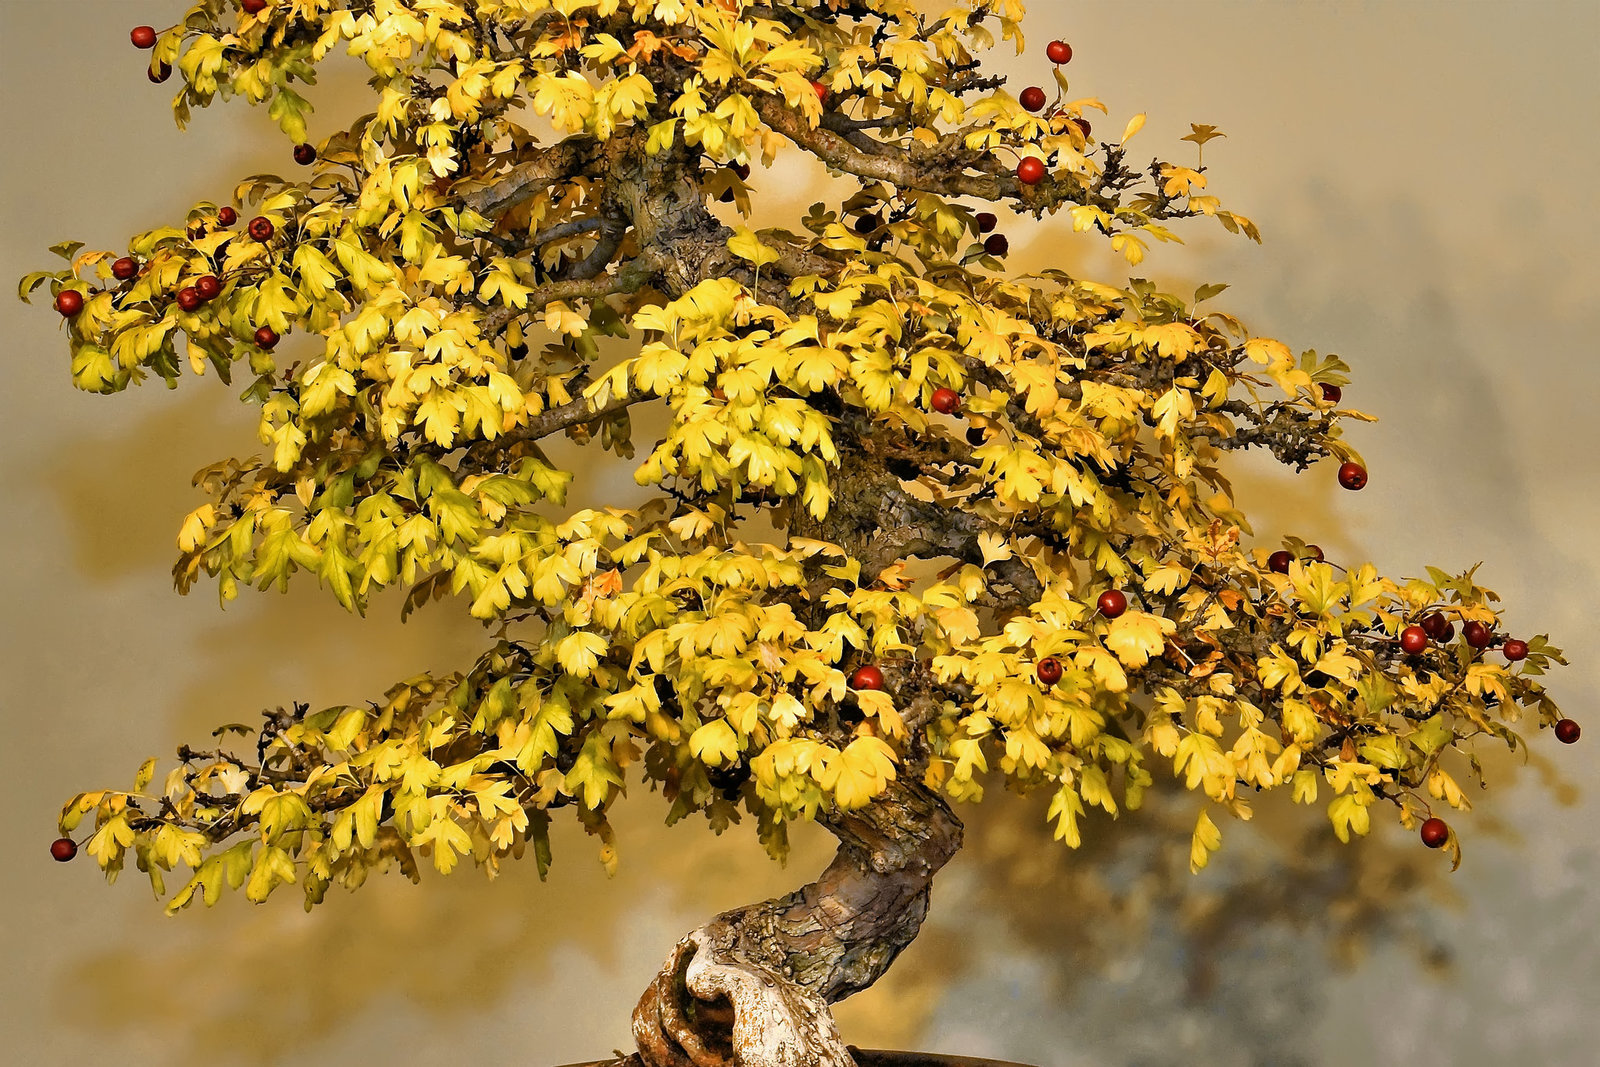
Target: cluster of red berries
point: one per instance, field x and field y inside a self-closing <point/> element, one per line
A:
<point x="1414" y="639"/>
<point x="206" y="288"/>
<point x="69" y="302"/>
<point x="1031" y="170"/>
<point x="144" y="37"/>
<point x="995" y="244"/>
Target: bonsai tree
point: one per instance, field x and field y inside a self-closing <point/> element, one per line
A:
<point x="911" y="521"/>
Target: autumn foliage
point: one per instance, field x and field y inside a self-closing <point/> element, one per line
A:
<point x="880" y="450"/>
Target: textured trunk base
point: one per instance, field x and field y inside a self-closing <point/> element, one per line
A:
<point x="710" y="1008"/>
<point x="753" y="987"/>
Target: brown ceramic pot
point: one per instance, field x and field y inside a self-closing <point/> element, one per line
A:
<point x="865" y="1057"/>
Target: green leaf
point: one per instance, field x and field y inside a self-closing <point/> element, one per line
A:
<point x="32" y="281"/>
<point x="289" y="109"/>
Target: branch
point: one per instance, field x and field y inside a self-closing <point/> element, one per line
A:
<point x="944" y="169"/>
<point x="526" y="180"/>
<point x="566" y="229"/>
<point x="574" y="413"/>
<point x="632" y="276"/>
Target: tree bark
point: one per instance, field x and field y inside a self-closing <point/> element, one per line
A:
<point x="752" y="987"/>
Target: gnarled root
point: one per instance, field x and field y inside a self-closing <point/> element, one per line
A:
<point x="752" y="987"/>
<point x="707" y="1008"/>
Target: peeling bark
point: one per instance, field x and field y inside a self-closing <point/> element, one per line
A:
<point x="752" y="987"/>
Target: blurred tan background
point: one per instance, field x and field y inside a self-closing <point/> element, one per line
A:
<point x="1422" y="173"/>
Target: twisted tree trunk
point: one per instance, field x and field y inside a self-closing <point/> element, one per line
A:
<point x="751" y="988"/>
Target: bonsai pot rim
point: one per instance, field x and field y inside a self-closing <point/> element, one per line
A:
<point x="868" y="1057"/>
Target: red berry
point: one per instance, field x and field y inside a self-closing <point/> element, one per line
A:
<point x="253" y="7"/>
<point x="986" y="221"/>
<point x="868" y="677"/>
<point x="1352" y="476"/>
<point x="124" y="268"/>
<point x="1032" y="98"/>
<point x="209" y="287"/>
<point x="143" y="37"/>
<point x="1049" y="670"/>
<point x="261" y="228"/>
<point x="1278" y="562"/>
<point x="1332" y="394"/>
<point x="1567" y="731"/>
<point x="1477" y="634"/>
<point x="1435" y="625"/>
<point x="63" y="849"/>
<point x="305" y="154"/>
<point x="1449" y="633"/>
<point x="267" y="338"/>
<point x="159" y="73"/>
<point x="996" y="244"/>
<point x="1435" y="833"/>
<point x="976" y="436"/>
<point x="1315" y="552"/>
<point x="1058" y="52"/>
<point x="821" y="90"/>
<point x="227" y="217"/>
<point x="1413" y="639"/>
<point x="742" y="170"/>
<point x="1514" y="650"/>
<point x="946" y="401"/>
<point x="1083" y="124"/>
<point x="189" y="298"/>
<point x="1030" y="171"/>
<point x="69" y="302"/>
<point x="1112" y="603"/>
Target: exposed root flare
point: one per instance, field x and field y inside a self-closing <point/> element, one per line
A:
<point x="708" y="1008"/>
<point x="752" y="987"/>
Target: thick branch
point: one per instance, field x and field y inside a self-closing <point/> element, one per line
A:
<point x="901" y="169"/>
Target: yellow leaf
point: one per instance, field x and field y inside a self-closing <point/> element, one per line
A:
<point x="715" y="743"/>
<point x="1207" y="839"/>
<point x="746" y="245"/>
<point x="147" y="771"/>
<point x="1349" y="814"/>
<point x="859" y="773"/>
<point x="1138" y="635"/>
<point x="579" y="652"/>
